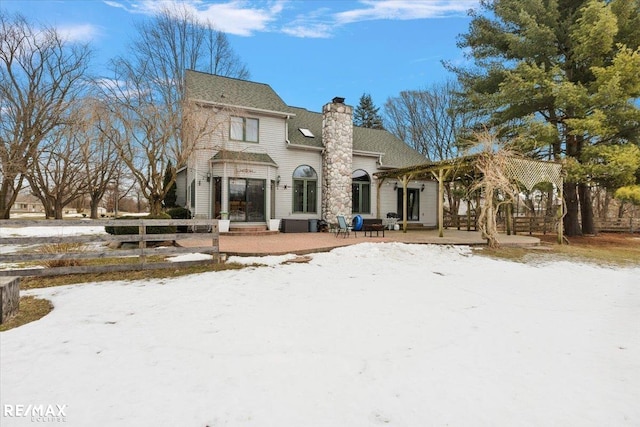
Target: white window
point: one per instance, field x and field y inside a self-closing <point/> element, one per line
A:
<point x="244" y="129"/>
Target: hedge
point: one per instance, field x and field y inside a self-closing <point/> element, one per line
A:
<point x="165" y="229"/>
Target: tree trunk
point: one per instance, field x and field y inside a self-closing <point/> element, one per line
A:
<point x="94" y="209"/>
<point x="155" y="206"/>
<point x="8" y="196"/>
<point x="571" y="223"/>
<point x="586" y="209"/>
<point x="57" y="210"/>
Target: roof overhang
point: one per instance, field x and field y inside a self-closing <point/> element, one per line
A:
<point x="229" y="156"/>
<point x="231" y="107"/>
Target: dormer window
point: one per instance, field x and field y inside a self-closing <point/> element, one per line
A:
<point x="306" y="132"/>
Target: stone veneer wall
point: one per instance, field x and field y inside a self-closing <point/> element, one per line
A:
<point x="9" y="297"/>
<point x="337" y="160"/>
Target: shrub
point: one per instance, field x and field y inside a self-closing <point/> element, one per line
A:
<point x="180" y="213"/>
<point x="166" y="229"/>
<point x="57" y="248"/>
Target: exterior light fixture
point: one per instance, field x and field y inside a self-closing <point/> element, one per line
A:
<point x="422" y="188"/>
<point x="278" y="180"/>
<point x="395" y="185"/>
<point x="208" y="177"/>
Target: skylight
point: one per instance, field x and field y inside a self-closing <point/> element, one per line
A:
<point x="306" y="132"/>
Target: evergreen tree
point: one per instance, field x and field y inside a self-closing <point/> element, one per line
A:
<point x="169" y="180"/>
<point x="562" y="76"/>
<point x="366" y="114"/>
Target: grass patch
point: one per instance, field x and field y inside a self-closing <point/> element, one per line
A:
<point x="61" y="248"/>
<point x="606" y="250"/>
<point x="50" y="281"/>
<point x="30" y="309"/>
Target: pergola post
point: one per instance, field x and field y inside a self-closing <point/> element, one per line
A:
<point x="405" y="184"/>
<point x="378" y="189"/>
<point x="440" y="203"/>
<point x="560" y="208"/>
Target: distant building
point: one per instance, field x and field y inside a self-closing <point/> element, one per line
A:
<point x="26" y="203"/>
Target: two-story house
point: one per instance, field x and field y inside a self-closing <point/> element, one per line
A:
<point x="264" y="159"/>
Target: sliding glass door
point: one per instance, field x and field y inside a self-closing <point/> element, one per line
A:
<point x="246" y="200"/>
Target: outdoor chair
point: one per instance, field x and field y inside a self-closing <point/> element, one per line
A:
<point x="344" y="227"/>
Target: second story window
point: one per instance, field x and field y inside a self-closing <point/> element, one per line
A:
<point x="244" y="129"/>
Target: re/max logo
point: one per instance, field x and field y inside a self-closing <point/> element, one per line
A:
<point x="39" y="411"/>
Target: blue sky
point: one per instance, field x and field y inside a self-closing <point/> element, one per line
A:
<point x="307" y="51"/>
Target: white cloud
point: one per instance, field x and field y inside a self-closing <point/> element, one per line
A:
<point x="78" y="33"/>
<point x="302" y="30"/>
<point x="405" y="10"/>
<point x="237" y="17"/>
<point x="244" y="17"/>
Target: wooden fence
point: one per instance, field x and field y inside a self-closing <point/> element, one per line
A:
<point x="520" y="224"/>
<point x="541" y="224"/>
<point x="625" y="225"/>
<point x="110" y="259"/>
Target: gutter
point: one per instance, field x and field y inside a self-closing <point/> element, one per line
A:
<point x="303" y="147"/>
<point x="244" y="108"/>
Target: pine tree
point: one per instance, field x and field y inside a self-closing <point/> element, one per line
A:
<point x="560" y="75"/>
<point x="366" y="114"/>
<point x="169" y="179"/>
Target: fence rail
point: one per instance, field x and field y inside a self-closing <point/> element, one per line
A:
<point x="541" y="224"/>
<point x="627" y="225"/>
<point x="111" y="259"/>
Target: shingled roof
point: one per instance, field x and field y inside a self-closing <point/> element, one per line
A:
<point x="233" y="92"/>
<point x="258" y="96"/>
<point x="395" y="153"/>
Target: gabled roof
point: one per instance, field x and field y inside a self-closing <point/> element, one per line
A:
<point x="394" y="152"/>
<point x="233" y="92"/>
<point x="244" y="94"/>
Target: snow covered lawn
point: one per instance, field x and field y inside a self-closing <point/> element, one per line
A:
<point x="371" y="334"/>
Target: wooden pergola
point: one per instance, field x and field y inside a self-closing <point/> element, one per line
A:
<point x="527" y="172"/>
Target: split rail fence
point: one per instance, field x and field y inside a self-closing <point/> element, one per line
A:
<point x="94" y="253"/>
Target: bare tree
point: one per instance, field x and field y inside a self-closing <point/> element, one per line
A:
<point x="223" y="61"/>
<point x="494" y="184"/>
<point x="99" y="154"/>
<point x="156" y="122"/>
<point x="430" y="120"/>
<point x="433" y="122"/>
<point x="40" y="77"/>
<point x="57" y="177"/>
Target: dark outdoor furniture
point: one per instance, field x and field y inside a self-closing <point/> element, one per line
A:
<point x="370" y="228"/>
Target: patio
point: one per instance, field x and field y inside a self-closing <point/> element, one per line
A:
<point x="305" y="243"/>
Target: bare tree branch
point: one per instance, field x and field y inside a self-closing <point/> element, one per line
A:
<point x="40" y="78"/>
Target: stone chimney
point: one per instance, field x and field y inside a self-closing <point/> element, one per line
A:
<point x="337" y="160"/>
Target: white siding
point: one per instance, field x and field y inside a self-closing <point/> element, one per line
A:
<point x="428" y="200"/>
<point x="369" y="165"/>
<point x="273" y="141"/>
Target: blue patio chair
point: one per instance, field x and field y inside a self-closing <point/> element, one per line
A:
<point x="344" y="227"/>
